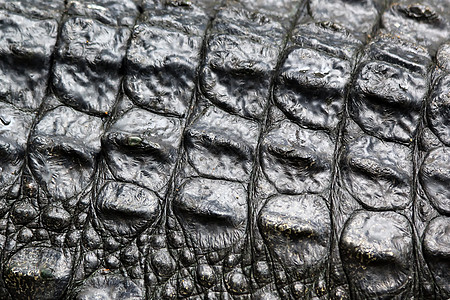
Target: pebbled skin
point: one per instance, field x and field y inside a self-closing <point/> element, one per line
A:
<point x="170" y="149"/>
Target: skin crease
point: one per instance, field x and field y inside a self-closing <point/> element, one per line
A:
<point x="171" y="149"/>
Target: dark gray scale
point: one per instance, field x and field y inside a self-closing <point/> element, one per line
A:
<point x="40" y="9"/>
<point x="443" y="56"/>
<point x="126" y="209"/>
<point x="358" y="17"/>
<point x="88" y="61"/>
<point x="88" y="70"/>
<point x="297" y="151"/>
<point x="283" y="10"/>
<point x="221" y="145"/>
<point x="434" y="175"/>
<point x="433" y="206"/>
<point x="426" y="23"/>
<point x="212" y="212"/>
<point x="38" y="273"/>
<point x="315" y="74"/>
<point x="63" y="151"/>
<point x="375" y="169"/>
<point x="377" y="250"/>
<point x="327" y="38"/>
<point x="436" y="248"/>
<point x="163" y="57"/>
<point x="297" y="160"/>
<point x="395" y="50"/>
<point x="107" y="286"/>
<point x="41" y="247"/>
<point x="141" y="148"/>
<point x="189" y="17"/>
<point x="26" y="46"/>
<point x="14" y="129"/>
<point x="311" y="86"/>
<point x="111" y="12"/>
<point x="390" y="88"/>
<point x="438" y="110"/>
<point x="241" y="55"/>
<point x="431" y="31"/>
<point x="160" y="80"/>
<point x="297" y="229"/>
<point x="140" y="152"/>
<point x="294" y="176"/>
<point x="378" y="174"/>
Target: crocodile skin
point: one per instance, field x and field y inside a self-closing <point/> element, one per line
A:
<point x="251" y="149"/>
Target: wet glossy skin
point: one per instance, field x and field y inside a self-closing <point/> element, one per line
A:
<point x="224" y="149"/>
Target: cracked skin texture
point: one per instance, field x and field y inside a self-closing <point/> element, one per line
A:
<point x="173" y="149"/>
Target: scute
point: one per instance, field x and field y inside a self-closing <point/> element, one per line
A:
<point x="125" y="209"/>
<point x="297" y="230"/>
<point x="38" y="273"/>
<point x="376" y="249"/>
<point x="212" y="212"/>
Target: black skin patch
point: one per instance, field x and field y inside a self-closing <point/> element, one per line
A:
<point x="235" y="149"/>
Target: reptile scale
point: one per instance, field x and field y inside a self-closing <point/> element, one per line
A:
<point x="252" y="149"/>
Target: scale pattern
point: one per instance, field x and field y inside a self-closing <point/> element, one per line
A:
<point x="234" y="149"/>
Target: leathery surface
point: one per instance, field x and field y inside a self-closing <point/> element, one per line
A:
<point x="253" y="149"/>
